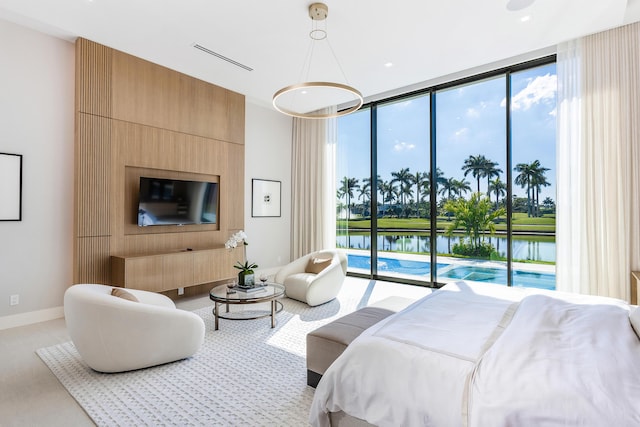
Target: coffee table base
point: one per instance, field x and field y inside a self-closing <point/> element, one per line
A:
<point x="276" y="307"/>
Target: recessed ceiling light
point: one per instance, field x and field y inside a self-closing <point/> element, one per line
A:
<point x="389" y="64"/>
<point x="525" y="18"/>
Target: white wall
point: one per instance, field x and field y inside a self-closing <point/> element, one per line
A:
<point x="36" y="120"/>
<point x="268" y="156"/>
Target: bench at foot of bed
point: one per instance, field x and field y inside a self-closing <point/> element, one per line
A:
<point x="326" y="343"/>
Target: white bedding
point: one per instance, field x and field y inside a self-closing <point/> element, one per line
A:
<point x="561" y="364"/>
<point x="483" y="355"/>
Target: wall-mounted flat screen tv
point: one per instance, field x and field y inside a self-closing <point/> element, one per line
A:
<point x="177" y="202"/>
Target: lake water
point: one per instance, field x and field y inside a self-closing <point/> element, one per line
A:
<point x="524" y="249"/>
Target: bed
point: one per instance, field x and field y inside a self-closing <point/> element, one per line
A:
<point x="488" y="355"/>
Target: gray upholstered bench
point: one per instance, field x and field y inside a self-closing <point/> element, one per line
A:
<point x="326" y="343"/>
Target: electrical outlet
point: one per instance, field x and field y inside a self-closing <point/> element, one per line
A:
<point x="15" y="299"/>
<point x="180" y="291"/>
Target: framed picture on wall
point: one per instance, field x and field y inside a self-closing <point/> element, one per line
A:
<point x="265" y="198"/>
<point x="10" y="187"/>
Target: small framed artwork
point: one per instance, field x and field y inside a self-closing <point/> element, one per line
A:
<point x="10" y="187"/>
<point x="265" y="198"/>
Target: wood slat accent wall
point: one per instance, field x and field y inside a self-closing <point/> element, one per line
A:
<point x="147" y="94"/>
<point x="92" y="175"/>
<point x="135" y="118"/>
<point x="235" y="160"/>
<point x="91" y="263"/>
<point x="93" y="78"/>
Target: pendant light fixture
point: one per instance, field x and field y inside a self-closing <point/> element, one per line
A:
<point x="309" y="99"/>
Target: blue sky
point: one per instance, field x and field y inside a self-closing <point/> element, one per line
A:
<point x="470" y="121"/>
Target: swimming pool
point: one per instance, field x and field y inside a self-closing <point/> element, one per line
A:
<point x="528" y="279"/>
<point x="418" y="268"/>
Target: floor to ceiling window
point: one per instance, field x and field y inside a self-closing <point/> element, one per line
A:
<point x="533" y="182"/>
<point x="471" y="156"/>
<point x="475" y="159"/>
<point x="402" y="140"/>
<point x="354" y="189"/>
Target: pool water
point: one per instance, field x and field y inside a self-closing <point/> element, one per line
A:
<point x="499" y="275"/>
<point x="463" y="272"/>
<point x="418" y="268"/>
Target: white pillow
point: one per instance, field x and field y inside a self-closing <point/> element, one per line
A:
<point x="634" y="318"/>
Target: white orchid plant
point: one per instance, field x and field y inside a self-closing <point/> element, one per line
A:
<point x="233" y="242"/>
<point x="237" y="237"/>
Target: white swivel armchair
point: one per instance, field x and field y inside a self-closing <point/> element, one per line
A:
<point x="113" y="334"/>
<point x="303" y="283"/>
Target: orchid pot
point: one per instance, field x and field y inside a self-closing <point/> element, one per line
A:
<point x="246" y="276"/>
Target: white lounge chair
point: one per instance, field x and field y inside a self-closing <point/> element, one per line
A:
<point x="113" y="334"/>
<point x="303" y="284"/>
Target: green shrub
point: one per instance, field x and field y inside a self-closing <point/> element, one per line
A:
<point x="482" y="250"/>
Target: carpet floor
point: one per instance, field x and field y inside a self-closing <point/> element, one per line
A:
<point x="246" y="373"/>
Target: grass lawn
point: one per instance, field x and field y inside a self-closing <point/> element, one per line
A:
<point x="520" y="222"/>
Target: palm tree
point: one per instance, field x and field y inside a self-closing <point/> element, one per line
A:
<point x="365" y="193"/>
<point x="474" y="216"/>
<point x="461" y="187"/>
<point x="402" y="177"/>
<point x="531" y="176"/>
<point x="476" y="166"/>
<point x="491" y="171"/>
<point x="523" y="179"/>
<point x="438" y="178"/>
<point x="452" y="188"/>
<point x="538" y="180"/>
<point x="406" y="190"/>
<point x="388" y="191"/>
<point x="347" y="185"/>
<point x="368" y="182"/>
<point x="549" y="204"/>
<point x="421" y="180"/>
<point x="448" y="188"/>
<point x="382" y="188"/>
<point x="498" y="188"/>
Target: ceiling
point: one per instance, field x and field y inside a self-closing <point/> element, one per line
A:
<point x="423" y="39"/>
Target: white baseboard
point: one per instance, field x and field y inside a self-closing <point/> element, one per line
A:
<point x="31" y="317"/>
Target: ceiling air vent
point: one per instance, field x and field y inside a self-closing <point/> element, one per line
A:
<point x="224" y="58"/>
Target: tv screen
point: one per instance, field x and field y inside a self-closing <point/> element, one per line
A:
<point x="177" y="202"/>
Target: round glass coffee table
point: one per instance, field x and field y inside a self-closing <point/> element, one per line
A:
<point x="270" y="293"/>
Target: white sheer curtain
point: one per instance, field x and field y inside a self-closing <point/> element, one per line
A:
<point x="598" y="219"/>
<point x="313" y="185"/>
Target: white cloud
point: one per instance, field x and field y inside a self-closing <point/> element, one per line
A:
<point x="403" y="146"/>
<point x="476" y="112"/>
<point x="538" y="90"/>
<point x="461" y="133"/>
<point x="472" y="112"/>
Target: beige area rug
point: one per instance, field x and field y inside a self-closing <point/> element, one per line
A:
<point x="245" y="373"/>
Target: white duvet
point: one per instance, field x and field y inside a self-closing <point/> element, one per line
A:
<point x="488" y="355"/>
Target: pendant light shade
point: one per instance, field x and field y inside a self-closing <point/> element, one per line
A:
<point x="309" y="99"/>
